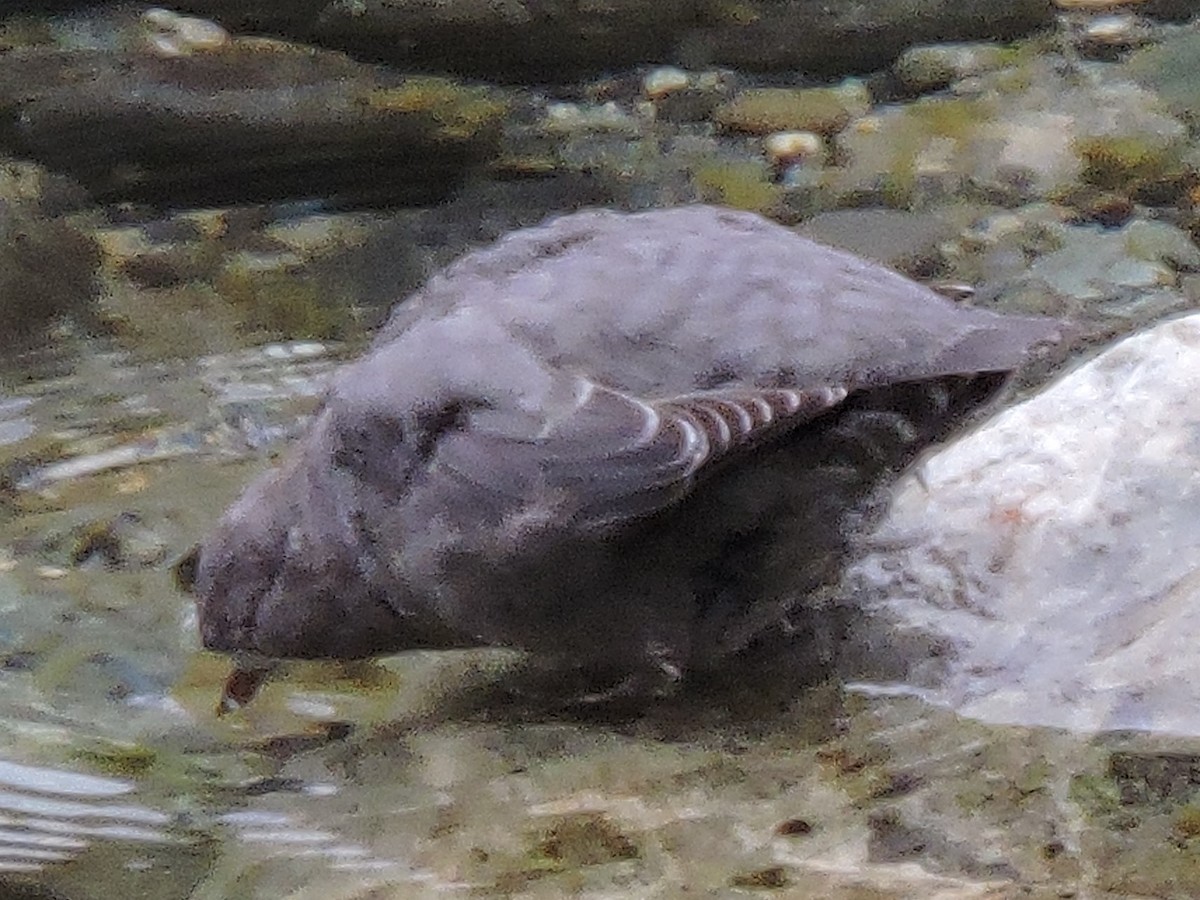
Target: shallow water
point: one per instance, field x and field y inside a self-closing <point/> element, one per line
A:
<point x="417" y="775"/>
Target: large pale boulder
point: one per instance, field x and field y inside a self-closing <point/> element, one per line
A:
<point x="1046" y="569"/>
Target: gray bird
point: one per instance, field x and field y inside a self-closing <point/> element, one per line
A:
<point x="629" y="444"/>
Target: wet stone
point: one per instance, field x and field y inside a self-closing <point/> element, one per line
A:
<point x="825" y="38"/>
<point x="1145" y="777"/>
<point x="935" y="66"/>
<point x="1050" y="551"/>
<point x="250" y="121"/>
<point x="586" y="840"/>
<point x="772" y="878"/>
<point x="48" y="263"/>
<point x="1109" y="37"/>
<point x="765" y="110"/>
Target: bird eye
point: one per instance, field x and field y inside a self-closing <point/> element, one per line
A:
<point x="186" y="570"/>
<point x="349" y="453"/>
<point x="358" y="445"/>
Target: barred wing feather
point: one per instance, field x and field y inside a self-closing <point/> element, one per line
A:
<point x="614" y="458"/>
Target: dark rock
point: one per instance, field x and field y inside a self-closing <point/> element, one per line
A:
<point x="922" y="69"/>
<point x="250" y="122"/>
<point x="1155" y="778"/>
<point x="822" y="38"/>
<point x="562" y="40"/>
<point x="585" y="839"/>
<point x="47" y="270"/>
<point x="794" y="828"/>
<point x="1171" y="10"/>
<point x="550" y="40"/>
<point x="543" y="41"/>
<point x="123" y="541"/>
<point x="770" y="878"/>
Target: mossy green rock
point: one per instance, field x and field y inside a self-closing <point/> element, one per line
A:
<point x="766" y="110"/>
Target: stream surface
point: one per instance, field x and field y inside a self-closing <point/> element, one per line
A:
<point x="406" y="777"/>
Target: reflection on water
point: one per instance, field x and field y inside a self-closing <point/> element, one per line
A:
<point x="48" y="815"/>
<point x="88" y="654"/>
<point x="280" y="837"/>
<point x="14" y="424"/>
<point x="110" y="412"/>
<point x="51" y="818"/>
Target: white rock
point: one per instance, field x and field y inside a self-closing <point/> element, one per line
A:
<point x="664" y="80"/>
<point x="170" y="34"/>
<point x="1056" y="551"/>
<point x="1112" y="30"/>
<point x="784" y="147"/>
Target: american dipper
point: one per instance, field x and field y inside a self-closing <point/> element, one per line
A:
<point x="627" y="443"/>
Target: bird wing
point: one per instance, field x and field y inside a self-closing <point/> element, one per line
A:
<point x="611" y="457"/>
